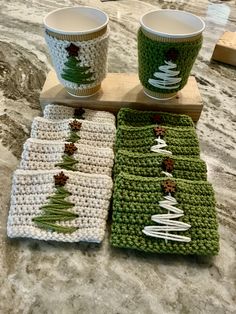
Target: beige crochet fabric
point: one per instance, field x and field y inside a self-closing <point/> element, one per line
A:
<point x="91" y="133"/>
<point x="90" y="193"/>
<point x="42" y="155"/>
<point x="92" y="53"/>
<point x="59" y="112"/>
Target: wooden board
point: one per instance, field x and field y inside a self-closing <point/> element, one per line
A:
<point x="225" y="49"/>
<point x="124" y="90"/>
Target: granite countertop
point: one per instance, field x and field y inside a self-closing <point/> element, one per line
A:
<point x="38" y="277"/>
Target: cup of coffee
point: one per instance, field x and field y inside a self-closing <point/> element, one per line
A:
<point x="77" y="39"/>
<point x="168" y="44"/>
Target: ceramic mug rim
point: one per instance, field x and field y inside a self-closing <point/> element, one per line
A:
<point x="89" y="31"/>
<point x="168" y="35"/>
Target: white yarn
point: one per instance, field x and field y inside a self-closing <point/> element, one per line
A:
<point x="168" y="174"/>
<point x="91" y="133"/>
<point x="44" y="155"/>
<point x="91" y="194"/>
<point x="59" y="112"/>
<point x="92" y="53"/>
<point x="166" y="79"/>
<point x="168" y="224"/>
<point x="158" y="147"/>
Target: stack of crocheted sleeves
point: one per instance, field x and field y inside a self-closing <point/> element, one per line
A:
<point x="63" y="188"/>
<point x="162" y="202"/>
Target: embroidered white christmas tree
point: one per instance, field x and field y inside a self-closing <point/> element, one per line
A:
<point x="167" y="78"/>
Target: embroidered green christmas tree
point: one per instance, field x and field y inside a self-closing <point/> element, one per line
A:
<point x="73" y="71"/>
<point x="57" y="209"/>
<point x="68" y="160"/>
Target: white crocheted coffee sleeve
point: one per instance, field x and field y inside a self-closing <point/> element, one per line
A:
<point x="45" y="155"/>
<point x="59" y="112"/>
<point x="91" y="133"/>
<point x="30" y="190"/>
<point x="92" y="53"/>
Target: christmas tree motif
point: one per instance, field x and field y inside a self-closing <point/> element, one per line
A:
<point x="166" y="79"/>
<point x="168" y="166"/>
<point x="167" y="221"/>
<point x="158" y="148"/>
<point x="69" y="161"/>
<point x="57" y="208"/>
<point x="75" y="127"/>
<point x="73" y="70"/>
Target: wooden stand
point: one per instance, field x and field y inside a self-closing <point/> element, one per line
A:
<point x="124" y="90"/>
<point x="225" y="49"/>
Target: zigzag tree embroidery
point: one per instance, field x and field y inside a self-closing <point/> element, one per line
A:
<point x="159" y="131"/>
<point x="158" y="147"/>
<point x="166" y="79"/>
<point x="167" y="224"/>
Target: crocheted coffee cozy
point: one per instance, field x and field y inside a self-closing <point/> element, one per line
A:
<point x="131" y="117"/>
<point x="74" y="130"/>
<point x="164" y="215"/>
<point x="164" y="66"/>
<point x="59" y="112"/>
<point x="159" y="165"/>
<point x="88" y="57"/>
<point x="171" y="140"/>
<point x="42" y="155"/>
<point x="62" y="206"/>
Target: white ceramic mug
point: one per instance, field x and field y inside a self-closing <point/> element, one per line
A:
<point x="168" y="44"/>
<point x="77" y="39"/>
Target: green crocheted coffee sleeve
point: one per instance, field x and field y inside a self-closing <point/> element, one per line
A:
<point x="180" y="141"/>
<point x="154" y="54"/>
<point x="130" y="117"/>
<point x="152" y="165"/>
<point x="137" y="198"/>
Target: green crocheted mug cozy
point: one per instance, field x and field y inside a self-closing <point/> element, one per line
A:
<point x="137" y="198"/>
<point x="157" y="165"/>
<point x="180" y="141"/>
<point x="131" y="117"/>
<point x="172" y="60"/>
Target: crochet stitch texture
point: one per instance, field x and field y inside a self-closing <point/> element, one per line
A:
<point x="91" y="133"/>
<point x="48" y="202"/>
<point x="136" y="199"/>
<point x="180" y="141"/>
<point x="151" y="165"/>
<point x="131" y="117"/>
<point x="59" y="112"/>
<point x="162" y="202"/>
<point x="153" y="54"/>
<point x="45" y="155"/>
<point x="90" y="194"/>
<point x="92" y="53"/>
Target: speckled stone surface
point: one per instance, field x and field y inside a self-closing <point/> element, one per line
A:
<point x="45" y="278"/>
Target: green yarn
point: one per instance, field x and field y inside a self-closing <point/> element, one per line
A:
<point x="151" y="165"/>
<point x="136" y="198"/>
<point x="130" y="117"/>
<point x="76" y="73"/>
<point x="153" y="54"/>
<point x="181" y="141"/>
<point x="68" y="163"/>
<point x="74" y="137"/>
<point x="56" y="211"/>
